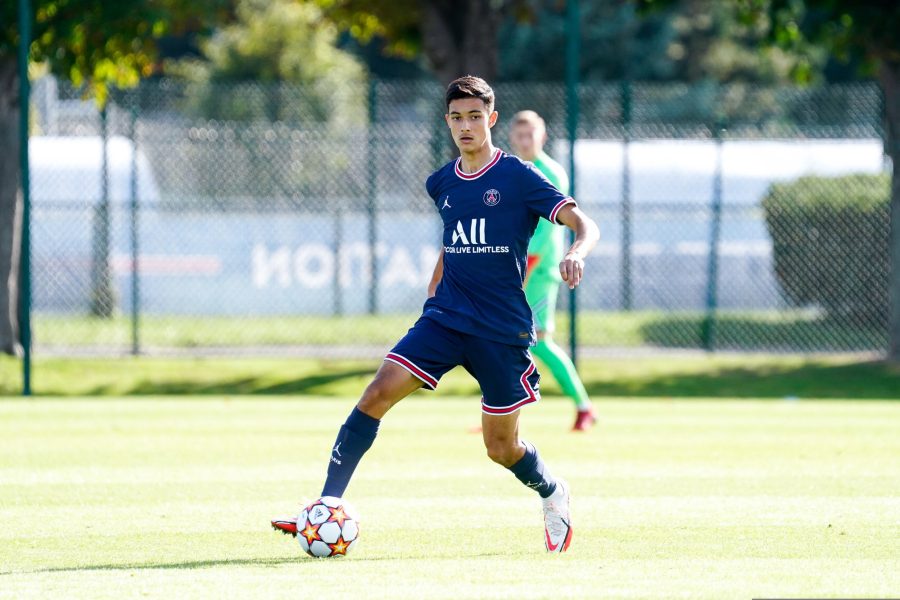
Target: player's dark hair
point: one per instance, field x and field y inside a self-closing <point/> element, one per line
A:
<point x="471" y="87"/>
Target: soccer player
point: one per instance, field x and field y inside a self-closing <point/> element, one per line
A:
<point x="476" y="314"/>
<point x="527" y="137"/>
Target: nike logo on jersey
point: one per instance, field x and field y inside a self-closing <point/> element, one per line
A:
<point x="446" y="203"/>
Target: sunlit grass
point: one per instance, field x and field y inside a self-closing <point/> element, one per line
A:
<point x="171" y="497"/>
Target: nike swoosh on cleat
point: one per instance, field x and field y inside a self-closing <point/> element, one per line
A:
<point x="565" y="543"/>
<point x="550" y="546"/>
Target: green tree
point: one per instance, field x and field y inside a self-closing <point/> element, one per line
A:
<point x="866" y="31"/>
<point x="272" y="42"/>
<point x="860" y="31"/>
<point x="687" y="40"/>
<point x="457" y="37"/>
<point x="521" y="40"/>
<point x="94" y="43"/>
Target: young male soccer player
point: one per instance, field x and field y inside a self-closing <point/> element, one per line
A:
<point x="527" y="137"/>
<point x="476" y="314"/>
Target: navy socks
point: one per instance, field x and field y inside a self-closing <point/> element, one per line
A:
<point x="532" y="471"/>
<point x="358" y="433"/>
<point x="353" y="440"/>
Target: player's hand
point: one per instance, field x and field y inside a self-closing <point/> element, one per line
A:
<point x="572" y="269"/>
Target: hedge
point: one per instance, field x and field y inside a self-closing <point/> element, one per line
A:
<point x="830" y="244"/>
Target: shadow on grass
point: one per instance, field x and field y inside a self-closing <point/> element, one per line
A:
<point x="763" y="333"/>
<point x="227" y="562"/>
<point x="319" y="384"/>
<point x="196" y="564"/>
<point x="864" y="380"/>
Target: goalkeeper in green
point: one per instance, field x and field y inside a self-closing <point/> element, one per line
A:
<point x="528" y="135"/>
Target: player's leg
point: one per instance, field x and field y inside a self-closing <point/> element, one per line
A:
<point x="563" y="370"/>
<point x="509" y="380"/>
<point x="501" y="440"/>
<point x="541" y="295"/>
<point x="421" y="358"/>
<point x="391" y="384"/>
<point x="418" y="360"/>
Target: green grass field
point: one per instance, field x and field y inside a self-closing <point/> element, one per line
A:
<point x="171" y="497"/>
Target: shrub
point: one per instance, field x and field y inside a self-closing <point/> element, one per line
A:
<point x="830" y="244"/>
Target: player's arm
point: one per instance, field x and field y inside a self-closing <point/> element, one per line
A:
<point x="586" y="235"/>
<point x="436" y="275"/>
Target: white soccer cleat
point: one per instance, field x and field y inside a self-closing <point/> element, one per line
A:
<point x="557" y="524"/>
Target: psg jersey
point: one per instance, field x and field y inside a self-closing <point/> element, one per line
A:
<point x="489" y="217"/>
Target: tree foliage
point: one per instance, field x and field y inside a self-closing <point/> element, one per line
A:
<point x="457" y="37"/>
<point x="101" y="43"/>
<point x="863" y="30"/>
<point x="95" y="43"/>
<point x="684" y="40"/>
<point x="272" y="43"/>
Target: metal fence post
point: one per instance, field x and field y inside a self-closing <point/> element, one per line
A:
<point x="626" y="195"/>
<point x="572" y="63"/>
<point x="337" y="210"/>
<point x="25" y="240"/>
<point x="135" y="265"/>
<point x="372" y="195"/>
<point x="101" y="289"/>
<point x="708" y="328"/>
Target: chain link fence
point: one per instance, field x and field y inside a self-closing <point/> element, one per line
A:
<point x="252" y="218"/>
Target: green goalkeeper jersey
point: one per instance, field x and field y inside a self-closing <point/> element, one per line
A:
<point x="548" y="240"/>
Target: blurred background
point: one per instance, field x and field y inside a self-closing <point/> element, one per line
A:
<point x="246" y="177"/>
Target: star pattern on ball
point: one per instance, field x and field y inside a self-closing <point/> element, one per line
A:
<point x="311" y="533"/>
<point x="339" y="548"/>
<point x="338" y="516"/>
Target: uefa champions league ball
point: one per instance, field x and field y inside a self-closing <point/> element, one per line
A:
<point x="328" y="527"/>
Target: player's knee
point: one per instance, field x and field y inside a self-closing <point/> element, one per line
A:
<point x="502" y="451"/>
<point x="376" y="398"/>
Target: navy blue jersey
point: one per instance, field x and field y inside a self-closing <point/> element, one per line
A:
<point x="489" y="218"/>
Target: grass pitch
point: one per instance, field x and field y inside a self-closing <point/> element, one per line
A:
<point x="171" y="498"/>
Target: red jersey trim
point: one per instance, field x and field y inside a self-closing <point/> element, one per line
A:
<point x="416" y="372"/>
<point x="558" y="207"/>
<point x="533" y="396"/>
<point x="479" y="172"/>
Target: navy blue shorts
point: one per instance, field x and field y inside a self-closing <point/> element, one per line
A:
<point x="508" y="377"/>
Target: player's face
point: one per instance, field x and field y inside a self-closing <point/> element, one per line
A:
<point x="527" y="140"/>
<point x="470" y="123"/>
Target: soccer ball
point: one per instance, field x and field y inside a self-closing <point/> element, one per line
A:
<point x="328" y="527"/>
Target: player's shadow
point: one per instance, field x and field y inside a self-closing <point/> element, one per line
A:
<point x="229" y="562"/>
<point x="869" y="380"/>
<point x="242" y="386"/>
<point x="194" y="564"/>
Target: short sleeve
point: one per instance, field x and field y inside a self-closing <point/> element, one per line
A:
<point x="431" y="185"/>
<point x="541" y="196"/>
